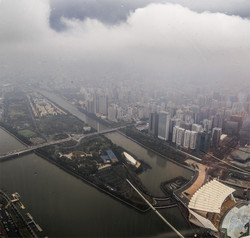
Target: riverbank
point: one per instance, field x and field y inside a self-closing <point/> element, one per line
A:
<point x="15" y="134"/>
<point x="122" y="134"/>
<point x="156" y="152"/>
<point x="89" y="182"/>
<point x="48" y="158"/>
<point x="46" y="189"/>
<point x="12" y="220"/>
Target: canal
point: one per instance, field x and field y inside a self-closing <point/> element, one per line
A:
<point x="65" y="206"/>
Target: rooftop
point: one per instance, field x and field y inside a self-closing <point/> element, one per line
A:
<point x="210" y="197"/>
<point x="243" y="154"/>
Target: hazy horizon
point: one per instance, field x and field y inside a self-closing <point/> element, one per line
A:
<point x="169" y="42"/>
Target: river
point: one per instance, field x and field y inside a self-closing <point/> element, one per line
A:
<point x="65" y="206"/>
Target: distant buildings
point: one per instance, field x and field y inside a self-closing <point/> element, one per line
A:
<point x="187" y="137"/>
<point x="179" y="136"/>
<point x="216" y="134"/>
<point x="112" y="113"/>
<point x="164" y="110"/>
<point x="174" y="135"/>
<point x="98" y="104"/>
<point x="184" y="138"/>
<point x="196" y="127"/>
<point x="207" y="125"/>
<point x="163" y="126"/>
<point x="193" y="140"/>
<point x="153" y="124"/>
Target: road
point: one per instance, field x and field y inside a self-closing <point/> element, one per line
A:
<point x="77" y="138"/>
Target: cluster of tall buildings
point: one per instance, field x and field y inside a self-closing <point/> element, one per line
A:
<point x="184" y="138"/>
<point x="115" y="104"/>
<point x="98" y="104"/>
<point x="194" y="110"/>
<point x="164" y="127"/>
<point x="201" y="122"/>
<point x="186" y="135"/>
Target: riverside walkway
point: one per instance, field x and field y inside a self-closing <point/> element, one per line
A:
<point x="76" y="138"/>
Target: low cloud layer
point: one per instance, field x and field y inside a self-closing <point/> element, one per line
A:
<point x="164" y="42"/>
<point x="115" y="11"/>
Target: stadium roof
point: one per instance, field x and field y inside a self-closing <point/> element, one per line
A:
<point x="210" y="197"/>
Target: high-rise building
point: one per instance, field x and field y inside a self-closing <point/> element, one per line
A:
<point x="180" y="114"/>
<point x="112" y="113"/>
<point x="218" y="120"/>
<point x="207" y="125"/>
<point x="163" y="126"/>
<point x="187" y="136"/>
<point x="196" y="127"/>
<point x="245" y="132"/>
<point x="186" y="126"/>
<point x="95" y="103"/>
<point x="231" y="127"/>
<point x="90" y="106"/>
<point x="173" y="122"/>
<point x="103" y="104"/>
<point x="193" y="140"/>
<point x="153" y="124"/>
<point x="204" y="140"/>
<point x="119" y="113"/>
<point x="216" y="134"/>
<point x="180" y="136"/>
<point x="174" y="134"/>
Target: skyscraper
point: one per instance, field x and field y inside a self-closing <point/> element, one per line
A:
<point x="153" y="124"/>
<point x="103" y="104"/>
<point x="174" y="134"/>
<point x="163" y="126"/>
<point x="112" y="113"/>
<point x="216" y="134"/>
<point x="196" y="127"/>
<point x="207" y="125"/>
<point x="173" y="122"/>
<point x="193" y="140"/>
<point x="187" y="136"/>
<point x="180" y="136"/>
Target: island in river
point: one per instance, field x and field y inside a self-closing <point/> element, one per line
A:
<point x="34" y="119"/>
<point x="102" y="164"/>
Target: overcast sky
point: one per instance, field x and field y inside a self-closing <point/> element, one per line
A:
<point x="119" y="40"/>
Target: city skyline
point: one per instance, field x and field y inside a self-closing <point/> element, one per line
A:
<point x="122" y="118"/>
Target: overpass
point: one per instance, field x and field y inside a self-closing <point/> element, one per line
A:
<point x="76" y="138"/>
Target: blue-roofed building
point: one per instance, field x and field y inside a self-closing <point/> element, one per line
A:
<point x="112" y="156"/>
<point x="105" y="158"/>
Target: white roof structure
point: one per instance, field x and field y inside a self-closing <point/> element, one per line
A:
<point x="210" y="197"/>
<point x="129" y="158"/>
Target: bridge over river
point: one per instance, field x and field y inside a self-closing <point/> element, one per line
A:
<point x="77" y="138"/>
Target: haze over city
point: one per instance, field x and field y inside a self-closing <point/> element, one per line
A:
<point x="167" y="41"/>
<point x="122" y="118"/>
